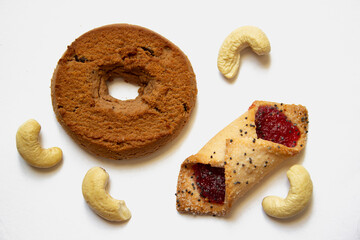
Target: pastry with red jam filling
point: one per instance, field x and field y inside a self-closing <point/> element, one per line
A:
<point x="240" y="156"/>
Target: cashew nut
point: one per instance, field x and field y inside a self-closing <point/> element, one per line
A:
<point x="27" y="143"/>
<point x="96" y="196"/>
<point x="229" y="54"/>
<point x="299" y="195"/>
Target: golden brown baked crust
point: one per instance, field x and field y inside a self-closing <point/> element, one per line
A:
<point x="110" y="127"/>
<point x="246" y="159"/>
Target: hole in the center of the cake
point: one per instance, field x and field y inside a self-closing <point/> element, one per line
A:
<point x="121" y="89"/>
<point x="211" y="182"/>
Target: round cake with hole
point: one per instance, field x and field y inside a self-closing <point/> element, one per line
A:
<point x="122" y="129"/>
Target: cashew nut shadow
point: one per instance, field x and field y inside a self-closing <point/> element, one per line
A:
<point x="241" y="38"/>
<point x="28" y="145"/>
<point x="298" y="197"/>
<point x="263" y="61"/>
<point x="96" y="196"/>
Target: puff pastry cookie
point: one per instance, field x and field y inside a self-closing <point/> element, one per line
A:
<point x="240" y="156"/>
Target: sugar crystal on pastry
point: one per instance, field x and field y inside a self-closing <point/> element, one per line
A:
<point x="245" y="152"/>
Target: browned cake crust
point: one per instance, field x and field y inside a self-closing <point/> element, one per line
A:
<point x="110" y="127"/>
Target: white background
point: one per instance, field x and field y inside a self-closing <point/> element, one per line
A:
<point x="314" y="61"/>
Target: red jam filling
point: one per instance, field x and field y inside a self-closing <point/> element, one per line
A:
<point x="273" y="125"/>
<point x="211" y="182"/>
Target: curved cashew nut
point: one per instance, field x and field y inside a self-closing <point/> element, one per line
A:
<point x="27" y="143"/>
<point x="93" y="189"/>
<point x="229" y="54"/>
<point x="299" y="195"/>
